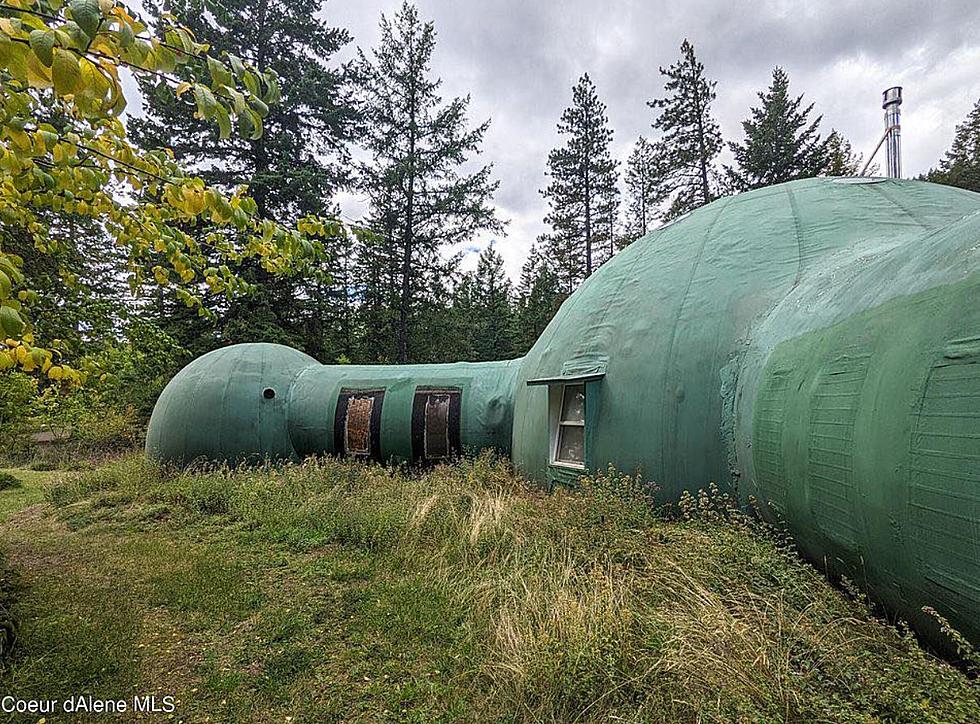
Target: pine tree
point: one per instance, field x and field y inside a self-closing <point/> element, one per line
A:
<point x="293" y="169"/>
<point x="495" y="331"/>
<point x="582" y="194"/>
<point x="781" y="142"/>
<point x="421" y="199"/>
<point x="961" y="164"/>
<point x="538" y="298"/>
<point x="841" y="159"/>
<point x="691" y="137"/>
<point x="645" y="188"/>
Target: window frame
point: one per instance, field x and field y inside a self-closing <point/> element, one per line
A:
<point x="341" y="411"/>
<point x="557" y="403"/>
<point x="423" y="394"/>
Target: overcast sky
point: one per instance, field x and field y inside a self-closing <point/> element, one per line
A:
<point x="519" y="58"/>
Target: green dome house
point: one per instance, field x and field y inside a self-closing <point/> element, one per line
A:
<point x="814" y="346"/>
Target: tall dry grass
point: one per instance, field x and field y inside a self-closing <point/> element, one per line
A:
<point x="589" y="604"/>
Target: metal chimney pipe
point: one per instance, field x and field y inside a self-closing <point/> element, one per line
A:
<point x="891" y="102"/>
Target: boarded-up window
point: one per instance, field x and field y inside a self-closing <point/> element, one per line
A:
<point x="436" y="426"/>
<point x="357" y="426"/>
<point x="435" y="423"/>
<point x="357" y="423"/>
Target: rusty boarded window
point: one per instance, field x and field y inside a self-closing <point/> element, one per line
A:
<point x="435" y="423"/>
<point x="436" y="426"/>
<point x="357" y="423"/>
<point x="357" y="427"/>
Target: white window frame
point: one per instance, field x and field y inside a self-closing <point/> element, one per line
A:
<point x="556" y="400"/>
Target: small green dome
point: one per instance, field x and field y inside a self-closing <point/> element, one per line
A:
<point x="229" y="405"/>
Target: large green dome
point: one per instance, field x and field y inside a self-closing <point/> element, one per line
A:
<point x="669" y="319"/>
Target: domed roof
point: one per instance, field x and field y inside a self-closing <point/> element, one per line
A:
<point x="228" y="405"/>
<point x="667" y="318"/>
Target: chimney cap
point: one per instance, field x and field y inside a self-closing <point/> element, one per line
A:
<point x="892" y="96"/>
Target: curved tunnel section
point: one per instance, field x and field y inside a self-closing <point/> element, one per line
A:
<point x="863" y="434"/>
<point x="409" y="413"/>
<point x="254" y="402"/>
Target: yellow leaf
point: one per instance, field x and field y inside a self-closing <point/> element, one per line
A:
<point x="38" y="75"/>
<point x="65" y="71"/>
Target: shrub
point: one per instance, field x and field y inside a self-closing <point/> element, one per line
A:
<point x="8" y="481"/>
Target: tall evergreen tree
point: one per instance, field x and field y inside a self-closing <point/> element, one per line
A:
<point x="538" y="298"/>
<point x="961" y="164"/>
<point x="645" y="188"/>
<point x="582" y="195"/>
<point x="421" y="198"/>
<point x="691" y="137"/>
<point x="489" y="323"/>
<point x="781" y="142"/>
<point x="293" y="169"/>
<point x="609" y="222"/>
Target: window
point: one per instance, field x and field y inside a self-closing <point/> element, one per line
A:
<point x="357" y="426"/>
<point x="435" y="423"/>
<point x="570" y="441"/>
<point x="357" y="423"/>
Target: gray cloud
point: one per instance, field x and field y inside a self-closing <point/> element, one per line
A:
<point x="518" y="61"/>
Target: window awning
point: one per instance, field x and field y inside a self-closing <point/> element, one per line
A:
<point x="583" y="369"/>
<point x="566" y="379"/>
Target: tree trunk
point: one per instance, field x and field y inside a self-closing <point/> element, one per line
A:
<point x="409" y="239"/>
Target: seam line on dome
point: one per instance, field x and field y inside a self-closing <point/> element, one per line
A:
<point x="668" y="360"/>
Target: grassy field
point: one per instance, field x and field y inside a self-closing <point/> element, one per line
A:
<point x="331" y="591"/>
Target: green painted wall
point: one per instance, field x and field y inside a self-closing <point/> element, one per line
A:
<point x="214" y="408"/>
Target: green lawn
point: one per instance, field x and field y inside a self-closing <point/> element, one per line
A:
<point x="29" y="491"/>
<point x="336" y="592"/>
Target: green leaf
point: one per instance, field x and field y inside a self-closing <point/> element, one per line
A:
<point x="79" y="40"/>
<point x="42" y="43"/>
<point x="224" y="122"/>
<point x="11" y="322"/>
<point x="245" y="125"/>
<point x="259" y="107"/>
<point x="257" y="122"/>
<point x="250" y="124"/>
<point x="236" y="65"/>
<point x="220" y="75"/>
<point x="13" y="56"/>
<point x="272" y="95"/>
<point x="251" y="82"/>
<point x="87" y="15"/>
<point x="5" y="286"/>
<point x="65" y="71"/>
<point x="166" y="59"/>
<point x="126" y="36"/>
<point x="206" y="102"/>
